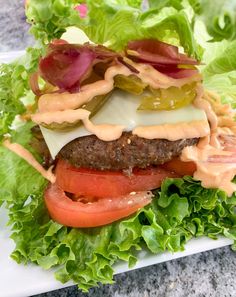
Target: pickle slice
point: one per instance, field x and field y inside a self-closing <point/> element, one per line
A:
<point x="93" y="106"/>
<point x="131" y="84"/>
<point x="65" y="126"/>
<point x="168" y="99"/>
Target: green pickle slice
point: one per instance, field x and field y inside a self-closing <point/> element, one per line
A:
<point x="131" y="84"/>
<point x="93" y="106"/>
<point x="168" y="99"/>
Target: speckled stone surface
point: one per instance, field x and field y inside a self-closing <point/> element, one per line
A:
<point x="13" y="27"/>
<point x="209" y="274"/>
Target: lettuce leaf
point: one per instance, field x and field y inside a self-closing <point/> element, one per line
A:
<point x="219" y="74"/>
<point x="219" y="17"/>
<point x="218" y="64"/>
<point x="134" y="3"/>
<point x="14" y="87"/>
<point x="224" y="61"/>
<point x="114" y="22"/>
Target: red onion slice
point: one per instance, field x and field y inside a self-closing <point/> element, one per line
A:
<point x="67" y="65"/>
<point x="34" y="84"/>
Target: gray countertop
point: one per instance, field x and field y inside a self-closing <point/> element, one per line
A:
<point x="202" y="275"/>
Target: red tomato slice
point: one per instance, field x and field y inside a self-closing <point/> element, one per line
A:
<point x="105" y="211"/>
<point x="180" y="167"/>
<point x="96" y="183"/>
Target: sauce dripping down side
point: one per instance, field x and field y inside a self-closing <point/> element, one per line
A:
<point x="173" y="132"/>
<point x="215" y="167"/>
<point x="215" y="155"/>
<point x="29" y="158"/>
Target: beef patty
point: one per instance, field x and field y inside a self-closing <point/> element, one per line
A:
<point x="127" y="152"/>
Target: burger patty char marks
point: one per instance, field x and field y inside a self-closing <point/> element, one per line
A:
<point x="127" y="152"/>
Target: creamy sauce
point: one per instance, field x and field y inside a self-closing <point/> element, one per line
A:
<point x="105" y="132"/>
<point x="63" y="101"/>
<point x="215" y="101"/>
<point x="212" y="174"/>
<point x="28" y="157"/>
<point x="214" y="140"/>
<point x="174" y="132"/>
<point x="148" y="75"/>
<point x="225" y="131"/>
<point x="206" y="106"/>
<point x="156" y="79"/>
<point x="211" y="116"/>
<point x="215" y="154"/>
<point x="59" y="117"/>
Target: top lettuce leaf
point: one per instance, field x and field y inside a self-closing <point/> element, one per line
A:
<point x="219" y="17"/>
<point x="218" y="65"/>
<point x="220" y="74"/>
<point x="181" y="209"/>
<point x="114" y="22"/>
<point x="118" y="21"/>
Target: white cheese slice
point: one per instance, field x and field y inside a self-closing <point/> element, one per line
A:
<point x="121" y="109"/>
<point x="75" y="35"/>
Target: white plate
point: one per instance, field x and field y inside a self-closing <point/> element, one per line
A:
<point x="20" y="281"/>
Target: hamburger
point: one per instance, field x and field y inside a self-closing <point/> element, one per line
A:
<point x="114" y="146"/>
<point x="113" y="127"/>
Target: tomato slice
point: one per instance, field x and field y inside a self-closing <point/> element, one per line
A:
<point x="96" y="183"/>
<point x="105" y="211"/>
<point x="180" y="167"/>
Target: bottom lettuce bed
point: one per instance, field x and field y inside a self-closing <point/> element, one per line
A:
<point x="181" y="210"/>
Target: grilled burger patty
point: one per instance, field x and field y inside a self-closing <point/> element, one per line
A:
<point x="127" y="152"/>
